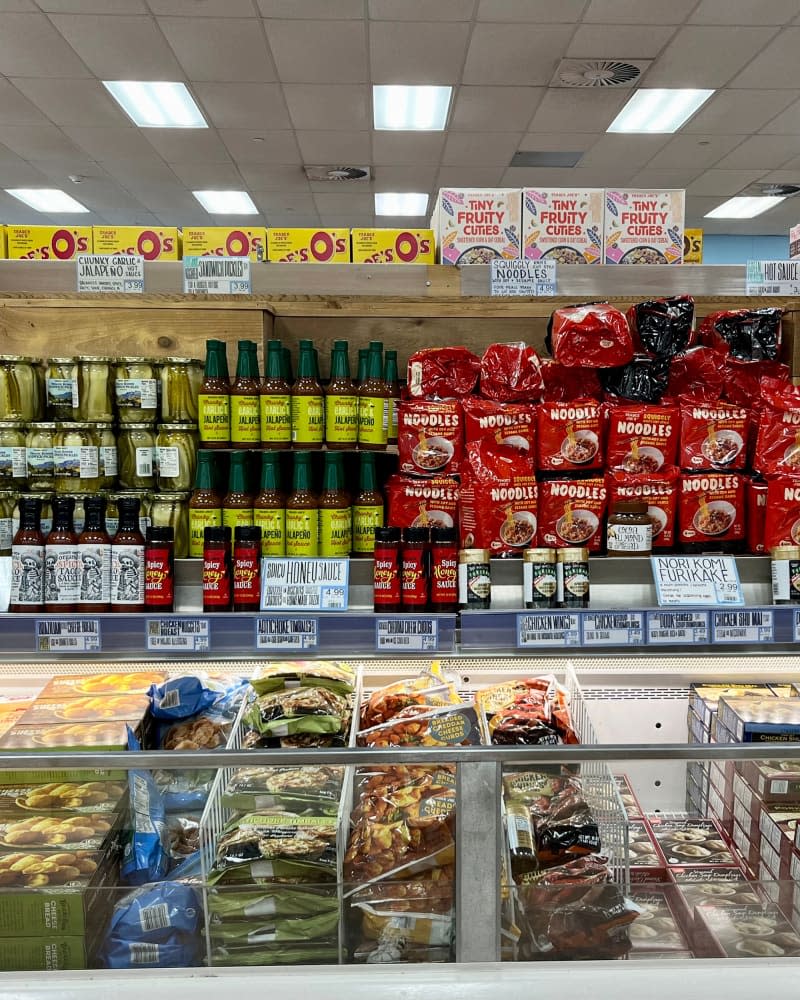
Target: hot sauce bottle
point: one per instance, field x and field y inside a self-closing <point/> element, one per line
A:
<point x="308" y="406"/>
<point x="205" y="504"/>
<point x="335" y="513"/>
<point x="245" y="402"/>
<point x="247" y="569"/>
<point x="217" y="575"/>
<point x="414" y="581"/>
<point x="214" y="400"/>
<point x="159" y="569"/>
<point x="391" y="379"/>
<point x="341" y="401"/>
<point x="127" y="559"/>
<point x="302" y="514"/>
<point x="367" y="508"/>
<point x="444" y="570"/>
<point x="363" y="361"/>
<point x="269" y="507"/>
<point x="27" y="559"/>
<point x="61" y="576"/>
<point x="373" y="403"/>
<point x="94" y="554"/>
<point x="387" y="571"/>
<point x="237" y="505"/>
<point x="276" y="401"/>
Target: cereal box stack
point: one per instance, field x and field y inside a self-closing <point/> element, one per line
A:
<point x="564" y="225"/>
<point x="644" y="227"/>
<point x="478" y="226"/>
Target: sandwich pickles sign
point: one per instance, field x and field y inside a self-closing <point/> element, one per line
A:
<point x="217" y="275"/>
<point x="692" y="581"/>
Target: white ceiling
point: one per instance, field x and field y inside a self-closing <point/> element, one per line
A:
<point x="288" y="82"/>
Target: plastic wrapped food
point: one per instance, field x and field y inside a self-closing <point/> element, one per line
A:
<point x="299" y="710"/>
<point x="145" y="853"/>
<point x="430" y="437"/>
<point x="534" y="711"/>
<point x="336" y="675"/>
<point x="777" y="447"/>
<point x="279" y="901"/>
<point x="749" y="334"/>
<point x="270" y="929"/>
<point x="511" y="373"/>
<point x="498" y="498"/>
<point x="431" y="688"/>
<point x="595" y="335"/>
<point x="513" y="424"/>
<point x="292" y="789"/>
<point x="308" y="953"/>
<point x="711" y="508"/>
<point x="714" y="437"/>
<point x="663" y="326"/>
<point x="644" y="379"/>
<point x="155" y="927"/>
<point x="425" y="503"/>
<point x="641" y="438"/>
<point x="782" y="511"/>
<point x="569" y="436"/>
<point x="659" y="489"/>
<point x="743" y="379"/>
<point x="306" y="841"/>
<point x="435" y="727"/>
<point x="571" y="512"/>
<point x="563" y="384"/>
<point x="697" y="376"/>
<point x="442" y="372"/>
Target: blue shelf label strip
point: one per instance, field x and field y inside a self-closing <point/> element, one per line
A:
<point x="612" y="628"/>
<point x="398" y="634"/>
<point x="548" y="628"/>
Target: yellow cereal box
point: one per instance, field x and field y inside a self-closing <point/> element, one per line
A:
<point x="477" y="226"/>
<point x="644" y="227"/>
<point x="220" y="241"/>
<point x="392" y="246"/>
<point x="160" y="243"/>
<point x="3" y="243"/>
<point x="48" y="242"/>
<point x="565" y="225"/>
<point x="308" y="246"/>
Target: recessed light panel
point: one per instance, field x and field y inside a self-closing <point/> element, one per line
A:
<point x="226" y="202"/>
<point x="411" y="108"/>
<point x="156" y="104"/>
<point x="659" y="110"/>
<point x="48" y="200"/>
<point x="744" y="208"/>
<point x="401" y="203"/>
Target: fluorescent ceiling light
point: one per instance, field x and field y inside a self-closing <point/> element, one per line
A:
<point x="744" y="208"/>
<point x="226" y="202"/>
<point x="418" y="108"/>
<point x="401" y="203"/>
<point x="156" y="105"/>
<point x="49" y="200"/>
<point x="659" y="110"/>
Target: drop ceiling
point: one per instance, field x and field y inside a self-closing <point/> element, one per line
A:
<point x="284" y="83"/>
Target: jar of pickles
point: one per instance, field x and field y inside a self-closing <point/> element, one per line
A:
<point x="62" y="388"/>
<point x="107" y="449"/>
<point x="95" y="389"/>
<point x="76" y="458"/>
<point x="180" y="385"/>
<point x="176" y="457"/>
<point x="46" y="500"/>
<point x="7" y="502"/>
<point x="40" y="373"/>
<point x="19" y="388"/>
<point x="171" y="510"/>
<point x="136" y="445"/>
<point x="136" y="390"/>
<point x="78" y="509"/>
<point x="112" y="510"/>
<point x="13" y="470"/>
<point x="40" y="470"/>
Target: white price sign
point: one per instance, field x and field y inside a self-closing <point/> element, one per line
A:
<point x="550" y="628"/>
<point x="287" y="633"/>
<point x="304" y="584"/>
<point x="677" y="628"/>
<point x="177" y="635"/>
<point x="417" y="634"/>
<point x="772" y="277"/>
<point x="685" y="581"/>
<point x="217" y="275"/>
<point x="743" y="626"/>
<point x="68" y="635"/>
<point x="110" y="273"/>
<point x="611" y="628"/>
<point x="527" y="278"/>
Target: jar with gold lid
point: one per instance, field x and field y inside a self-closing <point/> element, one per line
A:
<point x="181" y="379"/>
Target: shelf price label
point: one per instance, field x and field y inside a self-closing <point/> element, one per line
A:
<point x="177" y="635"/>
<point x="743" y="626"/>
<point x="613" y="628"/>
<point x="548" y="628"/>
<point x="286" y="633"/>
<point x="110" y="273"/>
<point x="417" y="634"/>
<point x="772" y="277"/>
<point x="68" y="635"/>
<point x="214" y="275"/>
<point x="528" y="278"/>
<point x="304" y="584"/>
<point x="689" y="581"/>
<point x="677" y="628"/>
<point x="796" y="626"/>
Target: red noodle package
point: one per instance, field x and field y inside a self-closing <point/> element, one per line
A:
<point x="511" y="373"/>
<point x="714" y="437"/>
<point x="590" y="336"/>
<point x="660" y="490"/>
<point x="513" y="424"/>
<point x="442" y="372"/>
<point x="571" y="512"/>
<point x="663" y="326"/>
<point x="422" y="503"/>
<point x="749" y="334"/>
<point x="783" y="512"/>
<point x="778" y="441"/>
<point x="756" y="507"/>
<point x="562" y="384"/>
<point x="743" y="379"/>
<point x="711" y="508"/>
<point x="498" y="498"/>
<point x="430" y="437"/>
<point x="642" y="438"/>
<point x="697" y="376"/>
<point x="569" y="436"/>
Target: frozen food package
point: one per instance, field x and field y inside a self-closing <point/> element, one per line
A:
<point x="272" y="901"/>
<point x="511" y="373"/>
<point x="531" y="711"/>
<point x="749" y="334"/>
<point x="644" y="379"/>
<point x="428" y="689"/>
<point x="595" y="335"/>
<point x="302" y="789"/>
<point x="664" y="327"/>
<point x="430" y="437"/>
<point x="436" y="727"/>
<point x="145" y="853"/>
<point x="442" y="372"/>
<point x="304" y="842"/>
<point x="513" y="424"/>
<point x="315" y="710"/>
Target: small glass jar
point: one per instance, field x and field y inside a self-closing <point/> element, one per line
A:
<point x="8" y="501"/>
<point x="630" y="530"/>
<point x="785" y="574"/>
<point x="40" y="372"/>
<point x="573" y="578"/>
<point x="46" y="520"/>
<point x="474" y="579"/>
<point x="76" y="457"/>
<point x="176" y="457"/>
<point x="109" y="459"/>
<point x="539" y="583"/>
<point x="136" y="390"/>
<point x="13" y="469"/>
<point x="62" y="388"/>
<point x="19" y="388"/>
<point x="171" y="510"/>
<point x="95" y="390"/>
<point x="181" y="379"/>
<point x="136" y="448"/>
<point x="112" y="510"/>
<point x="39" y="440"/>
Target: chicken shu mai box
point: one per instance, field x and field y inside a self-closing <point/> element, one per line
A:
<point x="565" y="225"/>
<point x="308" y="246"/>
<point x="392" y="246"/>
<point x="220" y="241"/>
<point x="163" y="243"/>
<point x="48" y="242"/>
<point x="644" y="227"/>
<point x="477" y="226"/>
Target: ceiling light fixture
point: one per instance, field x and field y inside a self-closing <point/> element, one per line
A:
<point x="400" y="108"/>
<point x="401" y="203"/>
<point x="156" y="104"/>
<point x="744" y="208"/>
<point x="48" y="200"/>
<point x="661" y="111"/>
<point x="226" y="202"/>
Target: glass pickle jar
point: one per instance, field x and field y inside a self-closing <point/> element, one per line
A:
<point x="176" y="456"/>
<point x="136" y="449"/>
<point x="171" y="510"/>
<point x="8" y="501"/>
<point x="13" y="469"/>
<point x="112" y="510"/>
<point x="109" y="458"/>
<point x="62" y="388"/>
<point x="95" y="389"/>
<point x="181" y="379"/>
<point x="76" y="458"/>
<point x="19" y="388"/>
<point x="40" y="470"/>
<point x="46" y="520"/>
<point x="78" y="510"/>
<point x="136" y="390"/>
<point x="40" y="372"/>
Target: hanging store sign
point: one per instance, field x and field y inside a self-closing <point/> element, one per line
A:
<point x="687" y="581"/>
<point x="217" y="275"/>
<point x="526" y="278"/>
<point x="110" y="273"/>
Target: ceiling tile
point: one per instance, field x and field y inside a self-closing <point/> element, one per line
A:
<point x="274" y="177"/>
<point x="204" y="8"/>
<point x="615" y="41"/>
<point x="421" y="10"/>
<point x="305" y="220"/>
<point x="170" y="197"/>
<point x="770" y="67"/>
<point x="765" y="151"/>
<point x="315" y="106"/>
<point x="114" y="143"/>
<point x="72" y="102"/>
<point x="129" y="217"/>
<point x="408" y="178"/>
<point x="275" y="147"/>
<point x="17" y="172"/>
<point x="344" y="220"/>
<point x="722" y="183"/>
<point x="348" y="148"/>
<point x="699" y="150"/>
<point x="490" y="149"/>
<point x="469" y="177"/>
<point x="319" y="51"/>
<point x="93" y="6"/>
<point x="697" y="208"/>
<point x="219" y="48"/>
<point x="618" y="174"/>
<point x="244" y="105"/>
<point x="336" y="202"/>
<point x="559" y="142"/>
<point x="102" y="194"/>
<point x="529" y="176"/>
<point x="494" y="109"/>
<point x="655" y="179"/>
<point x="119" y="48"/>
<point x="200" y="176"/>
<point x="538" y="11"/>
<point x="744" y="12"/>
<point x="180" y="145"/>
<point x="631" y="150"/>
<point x="786" y="123"/>
<point x="707" y="57"/>
<point x="284" y="201"/>
<point x="785" y="176"/>
<point x="18" y="6"/>
<point x="640" y="12"/>
<point x="584" y="110"/>
<point x="312" y="9"/>
<point x="138" y="177"/>
<point x="400" y="222"/>
<point x="515" y="53"/>
<point x="407" y="52"/>
<point x="740" y="111"/>
<point x="29" y="45"/>
<point x="15" y="109"/>
<point x="58" y="169"/>
<point x="400" y="148"/>
<point x="38" y="142"/>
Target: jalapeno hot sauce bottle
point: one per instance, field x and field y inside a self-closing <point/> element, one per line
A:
<point x="245" y="403"/>
<point x="373" y="403"/>
<point x="214" y="400"/>
<point x="61" y="576"/>
<point x="308" y="406"/>
<point x="367" y="509"/>
<point x="27" y="559"/>
<point x="341" y="401"/>
<point x="276" y="401"/>
<point x="237" y="505"/>
<point x="94" y="553"/>
<point x="269" y="507"/>
<point x="335" y="513"/>
<point x="302" y="514"/>
<point x="205" y="504"/>
<point x="127" y="559"/>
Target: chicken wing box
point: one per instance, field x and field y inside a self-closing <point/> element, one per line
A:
<point x="644" y="227"/>
<point x="752" y="931"/>
<point x="565" y="225"/>
<point x="477" y="226"/>
<point x="695" y="841"/>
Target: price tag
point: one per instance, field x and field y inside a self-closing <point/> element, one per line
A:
<point x="176" y="635"/>
<point x="304" y="584"/>
<point x="287" y="633"/>
<point x="68" y="635"/>
<point x="528" y="278"/>
<point x="796" y="629"/>
<point x="550" y="628"/>
<point x="110" y="273"/>
<point x="772" y="277"/>
<point x="217" y="275"/>
<point x="689" y="581"/>
<point x="743" y="626"/>
<point x="418" y="634"/>
<point x="610" y="628"/>
<point x="677" y="628"/>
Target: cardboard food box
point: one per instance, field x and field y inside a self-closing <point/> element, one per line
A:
<point x="761" y="720"/>
<point x="754" y="931"/>
<point x="644" y="227"/>
<point x="81" y="685"/>
<point x="704" y="698"/>
<point x="693" y="246"/>
<point x="698" y="732"/>
<point x="656" y="928"/>
<point x="48" y="242"/>
<point x="308" y="246"/>
<point x="3" y="243"/>
<point x="719" y="809"/>
<point x="92" y="708"/>
<point x="647" y="862"/>
<point x="564" y="225"/>
<point x="475" y="226"/>
<point x="691" y="841"/>
<point x="746" y="847"/>
<point x="50" y="953"/>
<point x="773" y="780"/>
<point x="65" y="737"/>
<point x="709" y="884"/>
<point x="392" y="246"/>
<point x="58" y="832"/>
<point x="219" y="241"/>
<point x="58" y="797"/>
<point x="626" y="793"/>
<point x="163" y="243"/>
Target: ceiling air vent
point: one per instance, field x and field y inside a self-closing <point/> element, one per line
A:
<point x="599" y="72"/>
<point x="337" y="173"/>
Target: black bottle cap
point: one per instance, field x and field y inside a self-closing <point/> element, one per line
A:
<point x="441" y="534"/>
<point x="247" y="533"/>
<point x="157" y="533"/>
<point x="215" y="535"/>
<point x="387" y="534"/>
<point x="416" y="534"/>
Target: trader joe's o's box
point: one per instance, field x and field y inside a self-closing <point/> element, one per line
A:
<point x="644" y="227"/>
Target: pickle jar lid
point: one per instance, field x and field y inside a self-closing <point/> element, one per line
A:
<point x="474" y="556"/>
<point x="181" y="361"/>
<point x="573" y="555"/>
<point x="133" y="361"/>
<point x="72" y="425"/>
<point x="12" y="425"/>
<point x="18" y="359"/>
<point x="170" y="497"/>
<point x="783" y="552"/>
<point x="176" y="427"/>
<point x="41" y="425"/>
<point x="539" y="556"/>
<point x="61" y="361"/>
<point x="136" y="427"/>
<point x="92" y="359"/>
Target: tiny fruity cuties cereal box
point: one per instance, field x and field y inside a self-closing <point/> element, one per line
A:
<point x="477" y="227"/>
<point x="563" y="225"/>
<point x="644" y="227"/>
